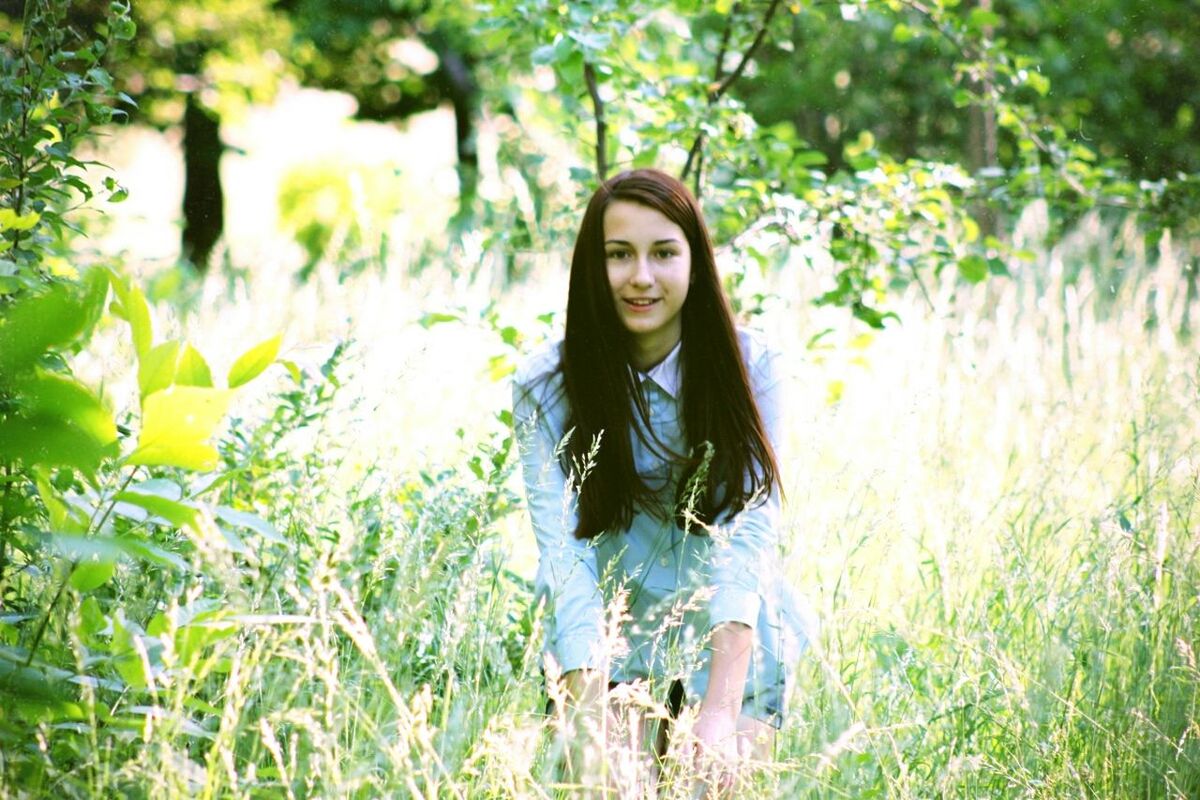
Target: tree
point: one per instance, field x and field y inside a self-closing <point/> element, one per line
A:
<point x="954" y="126"/>
<point x="377" y="52"/>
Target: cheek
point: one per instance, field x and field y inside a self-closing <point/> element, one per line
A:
<point x="614" y="277"/>
<point x="683" y="280"/>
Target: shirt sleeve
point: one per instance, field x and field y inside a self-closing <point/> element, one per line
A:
<point x="567" y="569"/>
<point x="748" y="542"/>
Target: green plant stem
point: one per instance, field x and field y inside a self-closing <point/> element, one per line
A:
<point x="108" y="511"/>
<point x="4" y="522"/>
<point x="45" y="623"/>
<point x="22" y="174"/>
<point x="41" y="631"/>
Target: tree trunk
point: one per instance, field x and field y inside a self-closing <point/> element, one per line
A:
<point x="457" y="82"/>
<point x="203" y="198"/>
<point x="982" y="140"/>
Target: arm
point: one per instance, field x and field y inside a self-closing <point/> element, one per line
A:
<point x="738" y="565"/>
<point x="567" y="574"/>
<point x="744" y="556"/>
<point x="731" y="644"/>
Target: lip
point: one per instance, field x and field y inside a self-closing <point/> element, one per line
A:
<point x="642" y="309"/>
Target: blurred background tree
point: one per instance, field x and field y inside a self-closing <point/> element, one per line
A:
<point x="1073" y="103"/>
<point x="1119" y="71"/>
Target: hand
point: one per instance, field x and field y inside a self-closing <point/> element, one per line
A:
<point x="716" y="756"/>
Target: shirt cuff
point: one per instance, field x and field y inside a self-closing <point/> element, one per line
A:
<point x="734" y="605"/>
<point x="577" y="652"/>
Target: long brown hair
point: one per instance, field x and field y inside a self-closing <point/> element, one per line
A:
<point x="718" y="403"/>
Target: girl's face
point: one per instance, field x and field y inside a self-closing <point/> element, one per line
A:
<point x="649" y="268"/>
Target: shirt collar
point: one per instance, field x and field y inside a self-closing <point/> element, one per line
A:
<point x="666" y="372"/>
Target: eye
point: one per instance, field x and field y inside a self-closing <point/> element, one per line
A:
<point x="617" y="254"/>
<point x="666" y="253"/>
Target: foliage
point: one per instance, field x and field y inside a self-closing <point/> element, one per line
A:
<point x="203" y="598"/>
<point x="670" y="85"/>
<point x="346" y="206"/>
<point x="79" y="496"/>
<point x="54" y="88"/>
<point x="226" y="52"/>
<point x="1006" y="585"/>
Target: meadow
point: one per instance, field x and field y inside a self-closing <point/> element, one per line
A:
<point x="991" y="509"/>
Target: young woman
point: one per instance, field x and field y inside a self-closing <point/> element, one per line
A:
<point x="648" y="443"/>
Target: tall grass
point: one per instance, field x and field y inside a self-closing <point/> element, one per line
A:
<point x="991" y="507"/>
<point x="1004" y="548"/>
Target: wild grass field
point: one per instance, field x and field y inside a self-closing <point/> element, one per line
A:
<point x="992" y="508"/>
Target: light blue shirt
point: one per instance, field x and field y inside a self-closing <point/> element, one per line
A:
<point x="677" y="586"/>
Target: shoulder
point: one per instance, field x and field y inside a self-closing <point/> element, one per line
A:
<point x="759" y="353"/>
<point x="538" y="364"/>
<point x="538" y="375"/>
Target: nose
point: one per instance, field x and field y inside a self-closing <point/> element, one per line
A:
<point x="642" y="276"/>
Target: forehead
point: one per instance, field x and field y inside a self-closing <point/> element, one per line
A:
<point x="632" y="221"/>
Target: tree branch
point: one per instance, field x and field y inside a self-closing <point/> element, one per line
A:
<point x="589" y="75"/>
<point x="719" y="70"/>
<point x="746" y="56"/>
<point x="717" y="92"/>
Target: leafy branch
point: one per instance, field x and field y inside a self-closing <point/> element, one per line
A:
<point x="721" y="85"/>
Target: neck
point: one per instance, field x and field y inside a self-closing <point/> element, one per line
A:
<point x="646" y="355"/>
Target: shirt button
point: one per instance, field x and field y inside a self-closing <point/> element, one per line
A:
<point x="665" y="561"/>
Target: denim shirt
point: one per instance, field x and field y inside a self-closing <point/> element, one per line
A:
<point x="702" y="580"/>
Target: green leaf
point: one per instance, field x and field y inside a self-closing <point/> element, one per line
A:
<point x="293" y="370"/>
<point x="436" y="318"/>
<point x="45" y="394"/>
<point x="872" y="316"/>
<point x="244" y="519"/>
<point x="92" y="620"/>
<point x="176" y="422"/>
<point x="37" y="323"/>
<point x="159" y="487"/>
<point x="133" y="651"/>
<point x="131" y="307"/>
<point x="546" y="54"/>
<point x="173" y="511"/>
<point x="61" y="516"/>
<point x="809" y="158"/>
<point x="196" y="628"/>
<point x="140" y="548"/>
<point x="95" y="293"/>
<point x="157" y="368"/>
<point x="251" y="363"/>
<point x="45" y="686"/>
<point x="10" y="220"/>
<point x="92" y="575"/>
<point x="981" y="18"/>
<point x="1038" y="82"/>
<point x="81" y="547"/>
<point x="902" y="33"/>
<point x="973" y="268"/>
<point x="193" y="369"/>
<point x="50" y="441"/>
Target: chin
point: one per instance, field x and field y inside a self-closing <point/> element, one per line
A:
<point x="642" y="326"/>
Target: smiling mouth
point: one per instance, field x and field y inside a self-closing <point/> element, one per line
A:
<point x="641" y="303"/>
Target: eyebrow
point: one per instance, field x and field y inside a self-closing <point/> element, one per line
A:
<point x="660" y="241"/>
